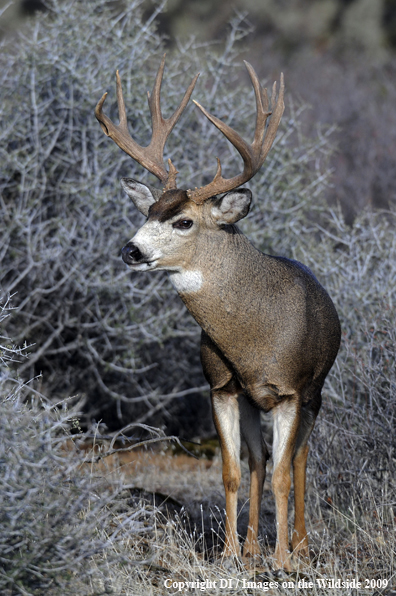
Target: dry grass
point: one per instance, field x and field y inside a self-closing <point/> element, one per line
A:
<point x="184" y="544"/>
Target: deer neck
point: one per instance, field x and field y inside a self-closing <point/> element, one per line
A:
<point x="212" y="286"/>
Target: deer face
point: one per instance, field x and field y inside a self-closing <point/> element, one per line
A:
<point x="170" y="236"/>
<point x="176" y="219"/>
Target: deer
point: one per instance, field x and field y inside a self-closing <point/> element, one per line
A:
<point x="269" y="331"/>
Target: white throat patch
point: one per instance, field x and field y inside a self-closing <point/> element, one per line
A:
<point x="186" y="282"/>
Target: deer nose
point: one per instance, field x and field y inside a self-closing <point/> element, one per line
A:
<point x="131" y="253"/>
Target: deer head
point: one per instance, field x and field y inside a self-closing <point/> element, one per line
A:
<point x="177" y="217"/>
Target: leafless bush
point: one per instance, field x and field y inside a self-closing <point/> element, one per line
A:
<point x="63" y="524"/>
<point x="8" y="351"/>
<point x="95" y="329"/>
<point x="125" y="342"/>
<point x="354" y="444"/>
<point x="354" y="91"/>
<point x="50" y="510"/>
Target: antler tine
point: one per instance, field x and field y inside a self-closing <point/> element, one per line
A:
<point x="162" y="127"/>
<point x="264" y="99"/>
<point x="150" y="157"/>
<point x="154" y="100"/>
<point x="253" y="155"/>
<point x="262" y="112"/>
<point x="235" y="138"/>
<point x="275" y="119"/>
<point x="121" y="104"/>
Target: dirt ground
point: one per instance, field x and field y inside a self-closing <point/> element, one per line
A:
<point x="178" y="483"/>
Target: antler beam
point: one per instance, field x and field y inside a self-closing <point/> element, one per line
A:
<point x="253" y="155"/>
<point x="150" y="157"/>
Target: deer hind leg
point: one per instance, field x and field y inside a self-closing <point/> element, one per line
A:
<point x="226" y="419"/>
<point x="299" y="537"/>
<point x="286" y="424"/>
<point x="258" y="455"/>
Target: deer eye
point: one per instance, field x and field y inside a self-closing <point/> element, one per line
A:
<point x="183" y="224"/>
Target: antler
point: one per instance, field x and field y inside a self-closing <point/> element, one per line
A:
<point x="253" y="155"/>
<point x="150" y="157"/>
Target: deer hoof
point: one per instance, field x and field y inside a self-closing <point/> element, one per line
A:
<point x="283" y="561"/>
<point x="300" y="547"/>
<point x="251" y="550"/>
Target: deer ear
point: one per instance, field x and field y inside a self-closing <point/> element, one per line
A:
<point x="232" y="207"/>
<point x="142" y="195"/>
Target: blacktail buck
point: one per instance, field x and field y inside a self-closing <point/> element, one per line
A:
<point x="270" y="332"/>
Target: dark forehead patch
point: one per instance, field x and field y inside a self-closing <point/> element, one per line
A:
<point x="168" y="205"/>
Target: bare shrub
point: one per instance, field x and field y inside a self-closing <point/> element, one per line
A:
<point x="95" y="329"/>
<point x="351" y="467"/>
<point x="49" y="510"/>
<point x="66" y="528"/>
<point x="9" y="352"/>
<point x="124" y="342"/>
<point x="359" y="99"/>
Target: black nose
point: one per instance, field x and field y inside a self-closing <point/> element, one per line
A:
<point x="131" y="254"/>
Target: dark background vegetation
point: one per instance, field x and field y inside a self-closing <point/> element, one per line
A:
<point x="123" y="343"/>
<point x="339" y="61"/>
<point x="338" y="56"/>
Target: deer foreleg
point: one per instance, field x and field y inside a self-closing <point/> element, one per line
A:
<point x="258" y="455"/>
<point x="286" y="422"/>
<point x="226" y="419"/>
